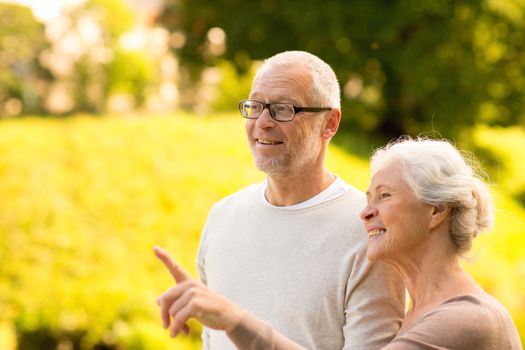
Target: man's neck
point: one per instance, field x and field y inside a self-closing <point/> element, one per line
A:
<point x="297" y="188"/>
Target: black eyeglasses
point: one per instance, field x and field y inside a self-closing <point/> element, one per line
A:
<point x="282" y="112"/>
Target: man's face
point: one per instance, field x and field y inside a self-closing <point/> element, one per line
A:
<point x="284" y="148"/>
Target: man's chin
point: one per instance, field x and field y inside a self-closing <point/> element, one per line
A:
<point x="272" y="167"/>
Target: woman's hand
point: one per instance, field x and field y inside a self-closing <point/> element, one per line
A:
<point x="190" y="298"/>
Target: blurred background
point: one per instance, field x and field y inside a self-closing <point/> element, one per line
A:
<point x="119" y="129"/>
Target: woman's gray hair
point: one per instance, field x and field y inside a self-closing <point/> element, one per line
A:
<point x="325" y="91"/>
<point x="440" y="174"/>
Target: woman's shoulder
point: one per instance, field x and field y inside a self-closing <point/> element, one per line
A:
<point x="469" y="321"/>
<point x="481" y="308"/>
<point x="477" y="302"/>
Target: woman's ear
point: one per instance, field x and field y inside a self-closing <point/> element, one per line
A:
<point x="332" y="123"/>
<point x="440" y="214"/>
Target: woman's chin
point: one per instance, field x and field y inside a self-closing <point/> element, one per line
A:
<point x="372" y="251"/>
<point x="376" y="247"/>
<point x="372" y="255"/>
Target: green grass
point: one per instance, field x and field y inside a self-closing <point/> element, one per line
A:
<point x="84" y="199"/>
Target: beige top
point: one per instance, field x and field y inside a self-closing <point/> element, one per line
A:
<point x="471" y="321"/>
<point x="466" y="322"/>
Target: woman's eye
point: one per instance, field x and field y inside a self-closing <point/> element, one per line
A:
<point x="384" y="195"/>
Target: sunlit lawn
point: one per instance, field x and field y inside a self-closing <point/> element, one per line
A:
<point x="84" y="199"/>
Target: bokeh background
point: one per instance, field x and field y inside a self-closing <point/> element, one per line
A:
<point x="119" y="130"/>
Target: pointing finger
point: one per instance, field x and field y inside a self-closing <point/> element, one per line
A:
<point x="176" y="272"/>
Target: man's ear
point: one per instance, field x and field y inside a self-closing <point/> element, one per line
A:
<point x="332" y="123"/>
<point x="440" y="214"/>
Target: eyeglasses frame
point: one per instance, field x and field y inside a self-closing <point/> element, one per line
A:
<point x="296" y="109"/>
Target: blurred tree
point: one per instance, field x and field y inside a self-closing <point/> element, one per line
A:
<point x="22" y="38"/>
<point x="126" y="71"/>
<point x="129" y="73"/>
<point x="405" y="66"/>
<point x="96" y="30"/>
<point x="91" y="64"/>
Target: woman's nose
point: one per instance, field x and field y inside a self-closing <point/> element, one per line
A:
<point x="367" y="213"/>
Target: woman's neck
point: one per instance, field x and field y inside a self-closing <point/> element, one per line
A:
<point x="433" y="278"/>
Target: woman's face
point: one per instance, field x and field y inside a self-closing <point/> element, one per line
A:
<point x="397" y="221"/>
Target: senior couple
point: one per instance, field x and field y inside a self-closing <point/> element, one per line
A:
<point x="305" y="260"/>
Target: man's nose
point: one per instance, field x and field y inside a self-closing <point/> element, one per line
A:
<point x="265" y="120"/>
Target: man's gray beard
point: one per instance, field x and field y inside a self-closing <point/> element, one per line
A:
<point x="286" y="165"/>
<point x="274" y="167"/>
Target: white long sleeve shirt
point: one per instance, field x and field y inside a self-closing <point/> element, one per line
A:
<point x="303" y="270"/>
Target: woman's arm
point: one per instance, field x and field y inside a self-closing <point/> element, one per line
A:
<point x="190" y="298"/>
<point x="252" y="333"/>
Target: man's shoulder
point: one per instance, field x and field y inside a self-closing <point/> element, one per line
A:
<point x="352" y="200"/>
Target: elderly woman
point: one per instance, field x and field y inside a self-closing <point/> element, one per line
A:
<point x="425" y="206"/>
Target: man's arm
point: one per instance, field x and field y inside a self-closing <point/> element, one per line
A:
<point x="375" y="306"/>
<point x="201" y="270"/>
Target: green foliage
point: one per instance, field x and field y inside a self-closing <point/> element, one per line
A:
<point x="508" y="170"/>
<point x="406" y="66"/>
<point x="85" y="199"/>
<point x="130" y="72"/>
<point x="114" y="16"/>
<point x="21" y="41"/>
<point x="232" y="87"/>
<point x="21" y="33"/>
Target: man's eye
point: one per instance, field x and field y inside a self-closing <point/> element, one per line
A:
<point x="280" y="108"/>
<point x="384" y="195"/>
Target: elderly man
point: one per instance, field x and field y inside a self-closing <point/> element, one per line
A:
<point x="292" y="250"/>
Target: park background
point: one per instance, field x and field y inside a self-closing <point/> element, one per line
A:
<point x="119" y="129"/>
